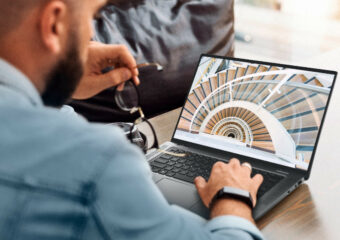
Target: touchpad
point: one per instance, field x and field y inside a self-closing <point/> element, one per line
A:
<point x="178" y="193"/>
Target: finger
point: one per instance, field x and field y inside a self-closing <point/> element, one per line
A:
<point x="218" y="165"/>
<point x="200" y="184"/>
<point x="136" y="80"/>
<point x="246" y="167"/>
<point x="234" y="162"/>
<point x="258" y="180"/>
<point x="121" y="54"/>
<point x="95" y="84"/>
<point x="117" y="76"/>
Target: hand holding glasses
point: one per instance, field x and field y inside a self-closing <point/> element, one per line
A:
<point x="128" y="100"/>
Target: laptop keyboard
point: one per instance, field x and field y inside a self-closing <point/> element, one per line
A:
<point x="193" y="165"/>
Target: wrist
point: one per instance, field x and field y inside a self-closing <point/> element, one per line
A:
<point x="229" y="206"/>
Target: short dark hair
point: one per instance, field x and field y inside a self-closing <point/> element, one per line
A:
<point x="14" y="12"/>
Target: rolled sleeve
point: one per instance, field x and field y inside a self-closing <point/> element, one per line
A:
<point x="227" y="223"/>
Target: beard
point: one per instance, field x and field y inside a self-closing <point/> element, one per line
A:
<point x="64" y="78"/>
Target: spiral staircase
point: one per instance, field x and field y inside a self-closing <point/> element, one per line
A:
<point x="238" y="100"/>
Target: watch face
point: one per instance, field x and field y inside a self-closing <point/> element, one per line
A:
<point x="235" y="193"/>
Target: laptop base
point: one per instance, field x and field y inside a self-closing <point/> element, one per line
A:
<point x="184" y="194"/>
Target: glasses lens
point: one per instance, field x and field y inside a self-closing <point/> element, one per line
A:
<point x="145" y="129"/>
<point x="128" y="98"/>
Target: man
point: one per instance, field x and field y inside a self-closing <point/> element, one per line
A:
<point x="64" y="178"/>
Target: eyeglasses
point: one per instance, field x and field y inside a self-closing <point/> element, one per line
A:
<point x="128" y="100"/>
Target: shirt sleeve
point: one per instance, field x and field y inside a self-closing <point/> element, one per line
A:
<point x="130" y="206"/>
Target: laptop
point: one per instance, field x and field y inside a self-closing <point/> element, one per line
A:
<point x="267" y="114"/>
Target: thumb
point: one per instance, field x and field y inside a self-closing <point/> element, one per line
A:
<point x="117" y="76"/>
<point x="200" y="184"/>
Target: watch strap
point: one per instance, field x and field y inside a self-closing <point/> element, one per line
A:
<point x="233" y="193"/>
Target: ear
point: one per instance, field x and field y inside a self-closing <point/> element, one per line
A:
<point x="53" y="25"/>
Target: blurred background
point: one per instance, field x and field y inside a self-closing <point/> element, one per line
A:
<point x="286" y="31"/>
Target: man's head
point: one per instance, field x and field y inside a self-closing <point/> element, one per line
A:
<point x="48" y="41"/>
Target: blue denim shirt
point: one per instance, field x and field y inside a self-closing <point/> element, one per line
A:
<point x="64" y="178"/>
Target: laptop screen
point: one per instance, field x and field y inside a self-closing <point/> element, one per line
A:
<point x="268" y="112"/>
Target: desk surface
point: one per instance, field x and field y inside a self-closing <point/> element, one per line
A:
<point x="311" y="211"/>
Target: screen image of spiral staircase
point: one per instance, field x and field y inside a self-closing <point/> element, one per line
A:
<point x="273" y="112"/>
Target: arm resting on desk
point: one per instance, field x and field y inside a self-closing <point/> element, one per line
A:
<point x="129" y="205"/>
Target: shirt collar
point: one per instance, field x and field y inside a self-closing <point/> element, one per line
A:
<point x="13" y="78"/>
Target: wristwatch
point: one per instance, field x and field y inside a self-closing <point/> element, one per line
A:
<point x="234" y="193"/>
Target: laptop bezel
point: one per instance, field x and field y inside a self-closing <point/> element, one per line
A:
<point x="305" y="173"/>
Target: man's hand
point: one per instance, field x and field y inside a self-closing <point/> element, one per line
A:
<point x="101" y="56"/>
<point x="232" y="175"/>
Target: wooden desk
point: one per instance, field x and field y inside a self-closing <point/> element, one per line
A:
<point x="311" y="211"/>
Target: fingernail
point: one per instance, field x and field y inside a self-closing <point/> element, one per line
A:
<point x="137" y="80"/>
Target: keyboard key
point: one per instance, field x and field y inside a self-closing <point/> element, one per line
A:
<point x="162" y="160"/>
<point x="155" y="169"/>
<point x="194" y="169"/>
<point x="178" y="165"/>
<point x="190" y="174"/>
<point x="170" y="173"/>
<point x="156" y="164"/>
<point x="190" y="162"/>
<point x="165" y="156"/>
<point x="163" y="171"/>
